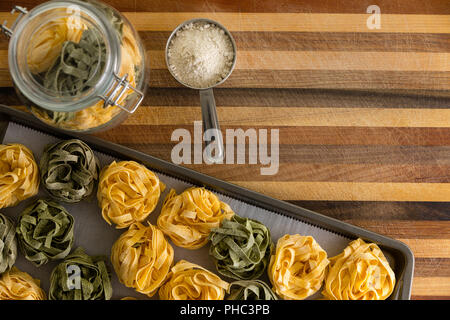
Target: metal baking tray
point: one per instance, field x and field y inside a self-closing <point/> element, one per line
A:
<point x="398" y="254"/>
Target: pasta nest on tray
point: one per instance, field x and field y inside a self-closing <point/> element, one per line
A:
<point x="19" y="174"/>
<point x="45" y="232"/>
<point x="18" y="285"/>
<point x="250" y="290"/>
<point x="188" y="218"/>
<point x="241" y="248"/>
<point x="69" y="170"/>
<point x="188" y="281"/>
<point x="360" y="272"/>
<point x="80" y="277"/>
<point x="8" y="243"/>
<point x="127" y="192"/>
<point x="298" y="267"/>
<point x="142" y="258"/>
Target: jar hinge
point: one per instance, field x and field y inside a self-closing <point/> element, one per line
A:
<point x="117" y="93"/>
<point x="9" y="31"/>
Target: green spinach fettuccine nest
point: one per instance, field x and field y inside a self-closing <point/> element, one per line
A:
<point x="69" y="170"/>
<point x="45" y="232"/>
<point x="79" y="66"/>
<point x="241" y="248"/>
<point x="8" y="244"/>
<point x="81" y="277"/>
<point x="250" y="290"/>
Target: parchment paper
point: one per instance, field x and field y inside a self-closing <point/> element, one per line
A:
<point x="97" y="237"/>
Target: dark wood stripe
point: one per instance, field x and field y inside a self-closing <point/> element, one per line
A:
<point x="323" y="79"/>
<point x="401" y="229"/>
<point x="324" y="41"/>
<point x="371" y="140"/>
<point x="284" y="98"/>
<point x="432" y="267"/>
<point x="319" y="79"/>
<point x="299" y="98"/>
<point x="379" y="210"/>
<point x="322" y="6"/>
<point x="330" y="172"/>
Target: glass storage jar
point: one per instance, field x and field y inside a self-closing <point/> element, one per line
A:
<point x="78" y="65"/>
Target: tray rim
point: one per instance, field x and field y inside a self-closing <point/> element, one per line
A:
<point x="404" y="279"/>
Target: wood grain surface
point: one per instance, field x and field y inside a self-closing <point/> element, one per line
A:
<point x="363" y="115"/>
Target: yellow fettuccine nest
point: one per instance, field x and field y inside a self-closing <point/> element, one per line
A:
<point x="142" y="258"/>
<point x="298" y="267"/>
<point x="188" y="218"/>
<point x="18" y="285"/>
<point x="19" y="174"/>
<point x="47" y="42"/>
<point x="360" y="272"/>
<point x="127" y="192"/>
<point x="188" y="281"/>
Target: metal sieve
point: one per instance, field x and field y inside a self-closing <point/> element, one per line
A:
<point x="207" y="101"/>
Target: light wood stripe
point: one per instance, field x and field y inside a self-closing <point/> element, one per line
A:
<point x="319" y="60"/>
<point x="356" y="191"/>
<point x="429" y="248"/>
<point x="300" y="22"/>
<point x="281" y="22"/>
<point x="431" y="286"/>
<point x="292" y="116"/>
<point x="330" y="60"/>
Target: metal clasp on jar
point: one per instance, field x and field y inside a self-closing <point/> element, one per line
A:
<point x="9" y="31"/>
<point x="117" y="93"/>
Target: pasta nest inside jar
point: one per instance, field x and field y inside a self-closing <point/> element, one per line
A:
<point x="142" y="258"/>
<point x="19" y="174"/>
<point x="127" y="192"/>
<point x="360" y="272"/>
<point x="18" y="285"/>
<point x="188" y="281"/>
<point x="189" y="217"/>
<point x="298" y="267"/>
<point x="47" y="47"/>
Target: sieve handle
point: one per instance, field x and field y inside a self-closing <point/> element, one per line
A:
<point x="211" y="125"/>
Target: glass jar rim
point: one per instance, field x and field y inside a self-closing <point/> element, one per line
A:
<point x="32" y="91"/>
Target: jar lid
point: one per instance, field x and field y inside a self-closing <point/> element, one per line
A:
<point x="64" y="55"/>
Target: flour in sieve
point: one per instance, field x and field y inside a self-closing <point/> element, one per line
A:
<point x="200" y="55"/>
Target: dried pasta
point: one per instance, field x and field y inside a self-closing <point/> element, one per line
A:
<point x="142" y="258"/>
<point x="127" y="192"/>
<point x="360" y="272"/>
<point x="241" y="248"/>
<point x="18" y="285"/>
<point x="80" y="277"/>
<point x="45" y="232"/>
<point x="69" y="170"/>
<point x="298" y="267"/>
<point x="250" y="290"/>
<point x="47" y="49"/>
<point x="8" y="243"/>
<point x="19" y="174"/>
<point x="188" y="218"/>
<point x="188" y="281"/>
<point x="46" y="46"/>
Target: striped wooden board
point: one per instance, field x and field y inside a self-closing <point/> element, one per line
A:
<point x="364" y="115"/>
